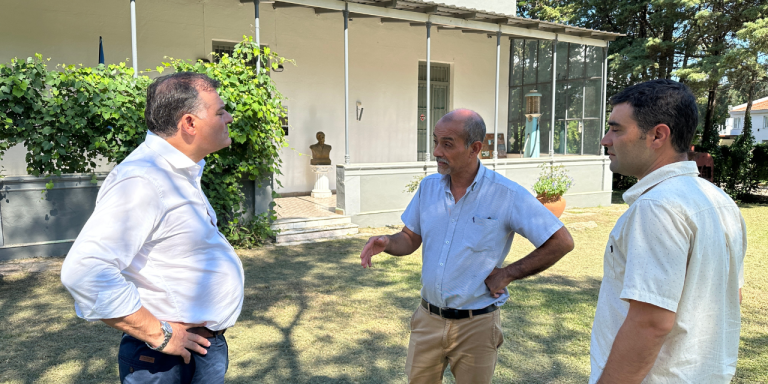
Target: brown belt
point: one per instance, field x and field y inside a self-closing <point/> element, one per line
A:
<point x="205" y="332"/>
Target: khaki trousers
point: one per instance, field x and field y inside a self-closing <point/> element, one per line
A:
<point x="469" y="345"/>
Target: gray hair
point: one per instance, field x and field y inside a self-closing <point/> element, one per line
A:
<point x="474" y="126"/>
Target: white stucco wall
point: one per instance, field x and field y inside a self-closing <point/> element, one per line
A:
<point x="383" y="66"/>
<point x="734" y="125"/>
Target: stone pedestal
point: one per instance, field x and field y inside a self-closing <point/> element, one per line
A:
<point x="322" y="185"/>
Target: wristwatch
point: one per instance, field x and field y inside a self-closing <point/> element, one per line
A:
<point x="167" y="333"/>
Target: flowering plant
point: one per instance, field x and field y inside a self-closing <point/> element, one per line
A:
<point x="553" y="182"/>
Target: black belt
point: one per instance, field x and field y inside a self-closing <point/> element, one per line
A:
<point x="455" y="314"/>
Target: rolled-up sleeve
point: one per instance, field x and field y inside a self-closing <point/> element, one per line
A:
<point x="125" y="216"/>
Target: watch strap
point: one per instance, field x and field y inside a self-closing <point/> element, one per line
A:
<point x="167" y="334"/>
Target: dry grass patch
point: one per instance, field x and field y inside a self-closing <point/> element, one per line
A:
<point x="313" y="315"/>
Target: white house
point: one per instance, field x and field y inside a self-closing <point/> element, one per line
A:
<point x="372" y="52"/>
<point x="734" y="124"/>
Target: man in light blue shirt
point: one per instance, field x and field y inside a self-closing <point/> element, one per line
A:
<point x="466" y="216"/>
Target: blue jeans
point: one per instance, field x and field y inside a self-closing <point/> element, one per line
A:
<point x="139" y="364"/>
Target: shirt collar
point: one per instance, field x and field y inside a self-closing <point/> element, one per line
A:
<point x="681" y="168"/>
<point x="172" y="155"/>
<point x="479" y="177"/>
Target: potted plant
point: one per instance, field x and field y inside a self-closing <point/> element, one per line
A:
<point x="552" y="184"/>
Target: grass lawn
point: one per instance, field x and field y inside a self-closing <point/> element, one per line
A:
<point x="313" y="315"/>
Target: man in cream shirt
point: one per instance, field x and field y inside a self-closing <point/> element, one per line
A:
<point x="150" y="261"/>
<point x="669" y="304"/>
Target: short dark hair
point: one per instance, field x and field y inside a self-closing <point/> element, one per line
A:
<point x="171" y="97"/>
<point x="663" y="101"/>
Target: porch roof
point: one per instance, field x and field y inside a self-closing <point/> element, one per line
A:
<point x="450" y="17"/>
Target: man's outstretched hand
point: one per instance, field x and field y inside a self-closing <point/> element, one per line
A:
<point x="374" y="246"/>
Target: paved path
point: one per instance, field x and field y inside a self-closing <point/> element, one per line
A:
<point x="305" y="207"/>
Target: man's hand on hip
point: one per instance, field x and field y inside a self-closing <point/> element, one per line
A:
<point x="146" y="327"/>
<point x="182" y="342"/>
<point x="497" y="281"/>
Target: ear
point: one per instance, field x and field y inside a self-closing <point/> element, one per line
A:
<point x="187" y="124"/>
<point x="660" y="136"/>
<point x="476" y="147"/>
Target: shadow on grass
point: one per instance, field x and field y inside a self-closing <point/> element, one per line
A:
<point x="548" y="319"/>
<point x="45" y="342"/>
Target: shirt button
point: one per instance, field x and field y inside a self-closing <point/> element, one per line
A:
<point x="441" y="264"/>
<point x="447" y="242"/>
<point x="453" y="220"/>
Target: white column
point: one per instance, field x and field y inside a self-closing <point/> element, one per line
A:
<point x="496" y="97"/>
<point x="133" y="40"/>
<point x="346" y="83"/>
<point x="605" y="89"/>
<point x="257" y="34"/>
<point x="554" y="92"/>
<point x="428" y="141"/>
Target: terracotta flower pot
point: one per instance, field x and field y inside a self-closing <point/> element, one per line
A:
<point x="555" y="205"/>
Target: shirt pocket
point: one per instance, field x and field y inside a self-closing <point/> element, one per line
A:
<point x="479" y="234"/>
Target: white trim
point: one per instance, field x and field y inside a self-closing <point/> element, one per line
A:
<point x="507" y="30"/>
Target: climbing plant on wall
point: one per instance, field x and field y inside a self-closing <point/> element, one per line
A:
<point x="72" y="116"/>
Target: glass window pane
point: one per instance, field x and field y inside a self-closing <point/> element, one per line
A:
<point x="574" y="137"/>
<point x="559" y="137"/>
<point x="592" y="137"/>
<point x="545" y="61"/>
<point x="562" y="61"/>
<point x="545" y="121"/>
<point x="515" y="118"/>
<point x="517" y="63"/>
<point x="592" y="98"/>
<point x="531" y="53"/>
<point x="594" y="61"/>
<point x="576" y="61"/>
<point x="575" y="99"/>
<point x="516" y="136"/>
<point x="560" y="99"/>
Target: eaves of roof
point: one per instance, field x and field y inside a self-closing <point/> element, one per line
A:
<point x="451" y="11"/>
<point x="757" y="105"/>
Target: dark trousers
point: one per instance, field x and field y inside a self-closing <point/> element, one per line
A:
<point x="139" y="364"/>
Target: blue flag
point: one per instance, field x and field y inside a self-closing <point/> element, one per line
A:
<point x="101" y="52"/>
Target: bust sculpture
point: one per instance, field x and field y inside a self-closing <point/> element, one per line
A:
<point x="320" y="151"/>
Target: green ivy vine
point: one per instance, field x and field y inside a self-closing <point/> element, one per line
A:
<point x="70" y="117"/>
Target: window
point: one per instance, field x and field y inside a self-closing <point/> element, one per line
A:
<point x="284" y="121"/>
<point x="222" y="47"/>
<point x="578" y="99"/>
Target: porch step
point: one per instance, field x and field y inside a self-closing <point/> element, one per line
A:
<point x="310" y="222"/>
<point x="298" y="231"/>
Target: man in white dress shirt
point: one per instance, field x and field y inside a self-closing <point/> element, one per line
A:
<point x="668" y="308"/>
<point x="150" y="261"/>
